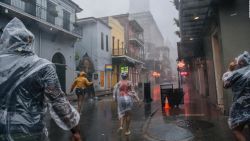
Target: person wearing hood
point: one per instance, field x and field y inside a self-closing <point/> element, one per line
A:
<point x="239" y="81"/>
<point x="80" y="84"/>
<point x="29" y="85"/>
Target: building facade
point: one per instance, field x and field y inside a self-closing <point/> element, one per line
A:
<point x="117" y="42"/>
<point x="94" y="51"/>
<point x="210" y="40"/>
<point x="52" y="23"/>
<point x="128" y="56"/>
<point x="158" y="61"/>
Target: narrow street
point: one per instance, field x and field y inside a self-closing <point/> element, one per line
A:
<point x="195" y="120"/>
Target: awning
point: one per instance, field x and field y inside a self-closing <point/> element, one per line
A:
<point x="125" y="60"/>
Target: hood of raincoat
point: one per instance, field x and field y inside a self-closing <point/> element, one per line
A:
<point x="16" y="53"/>
<point x="16" y="38"/>
<point x="245" y="56"/>
<point x="82" y="74"/>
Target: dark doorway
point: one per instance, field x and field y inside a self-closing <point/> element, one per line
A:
<point x="59" y="61"/>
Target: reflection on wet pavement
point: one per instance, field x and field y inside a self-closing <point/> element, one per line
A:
<point x="195" y="120"/>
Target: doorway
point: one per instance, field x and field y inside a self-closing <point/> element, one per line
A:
<point x="59" y="61"/>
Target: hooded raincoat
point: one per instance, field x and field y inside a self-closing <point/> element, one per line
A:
<point x="28" y="85"/>
<point x="239" y="81"/>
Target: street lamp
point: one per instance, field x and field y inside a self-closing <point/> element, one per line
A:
<point x="180" y="65"/>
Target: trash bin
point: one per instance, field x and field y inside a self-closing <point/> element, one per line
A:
<point x="147" y="92"/>
<point x="166" y="91"/>
<point x="177" y="97"/>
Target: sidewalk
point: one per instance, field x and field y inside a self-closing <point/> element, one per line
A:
<point x="195" y="120"/>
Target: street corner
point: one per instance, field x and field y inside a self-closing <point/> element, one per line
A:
<point x="156" y="129"/>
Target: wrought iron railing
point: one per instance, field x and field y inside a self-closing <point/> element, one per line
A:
<point x="51" y="16"/>
<point x="137" y="37"/>
<point x="124" y="51"/>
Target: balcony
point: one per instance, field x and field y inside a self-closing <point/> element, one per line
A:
<point x="136" y="40"/>
<point x="124" y="52"/>
<point x="49" y="17"/>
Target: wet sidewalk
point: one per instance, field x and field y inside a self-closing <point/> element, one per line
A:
<point x="195" y="120"/>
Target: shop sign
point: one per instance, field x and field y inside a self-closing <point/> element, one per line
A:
<point x="124" y="69"/>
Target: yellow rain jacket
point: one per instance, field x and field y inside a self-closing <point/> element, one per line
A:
<point x="81" y="82"/>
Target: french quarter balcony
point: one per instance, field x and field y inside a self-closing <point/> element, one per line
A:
<point x="49" y="18"/>
<point x="136" y="40"/>
<point x="124" y="52"/>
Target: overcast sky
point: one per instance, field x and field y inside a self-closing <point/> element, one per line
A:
<point x="162" y="10"/>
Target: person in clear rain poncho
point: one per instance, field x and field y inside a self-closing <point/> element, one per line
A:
<point x="238" y="79"/>
<point x="124" y="94"/>
<point x="27" y="85"/>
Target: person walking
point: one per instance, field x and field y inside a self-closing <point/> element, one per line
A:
<point x="28" y="85"/>
<point x="124" y="95"/>
<point x="80" y="84"/>
<point x="238" y="79"/>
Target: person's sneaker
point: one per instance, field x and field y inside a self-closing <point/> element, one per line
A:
<point x="120" y="130"/>
<point x="127" y="133"/>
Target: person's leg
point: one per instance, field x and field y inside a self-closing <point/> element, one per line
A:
<point x="238" y="132"/>
<point x="128" y="120"/>
<point x="121" y="123"/>
<point x="80" y="102"/>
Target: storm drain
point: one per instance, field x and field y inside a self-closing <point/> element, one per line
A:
<point x="194" y="124"/>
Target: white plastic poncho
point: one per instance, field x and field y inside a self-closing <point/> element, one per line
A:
<point x="26" y="83"/>
<point x="239" y="81"/>
<point x="124" y="94"/>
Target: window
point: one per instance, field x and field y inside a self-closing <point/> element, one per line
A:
<point x="66" y="20"/>
<point x="51" y="12"/>
<point x="102" y="44"/>
<point x="107" y="43"/>
<point x="30" y="7"/>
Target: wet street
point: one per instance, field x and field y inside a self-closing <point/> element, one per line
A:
<point x="195" y="120"/>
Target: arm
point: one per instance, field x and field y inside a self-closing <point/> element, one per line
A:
<point x="115" y="91"/>
<point x="61" y="110"/>
<point x="132" y="91"/>
<point x="87" y="82"/>
<point x="230" y="79"/>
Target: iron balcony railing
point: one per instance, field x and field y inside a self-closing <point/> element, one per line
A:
<point x="51" y="16"/>
<point x="137" y="38"/>
<point x="125" y="52"/>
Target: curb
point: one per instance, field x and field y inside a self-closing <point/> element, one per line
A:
<point x="146" y="125"/>
<point x="147" y="136"/>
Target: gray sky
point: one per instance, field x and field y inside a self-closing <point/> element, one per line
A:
<point x="162" y="10"/>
